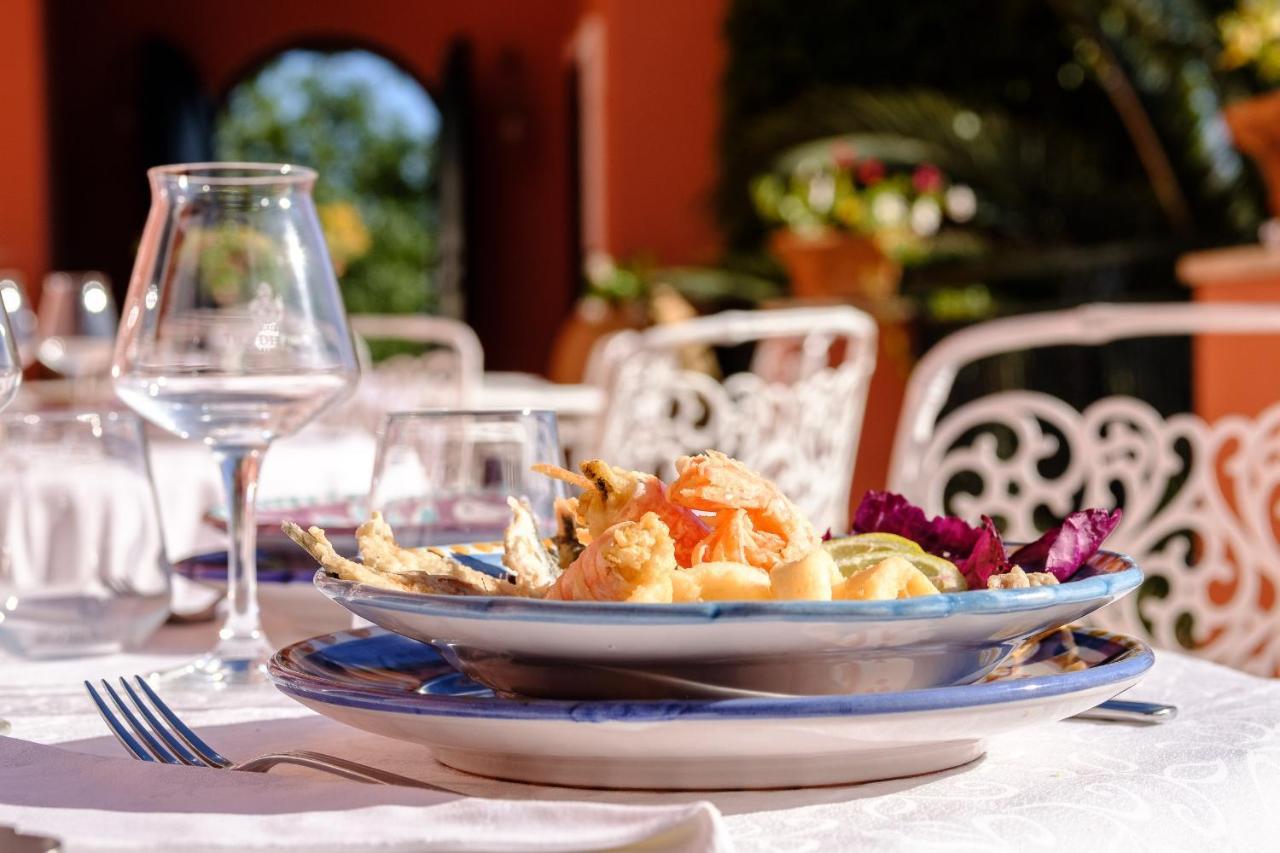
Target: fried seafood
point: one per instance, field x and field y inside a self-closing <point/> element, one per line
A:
<point x="713" y="482"/>
<point x="611" y="495"/>
<point x="809" y="578"/>
<point x="379" y="552"/>
<point x="734" y="539"/>
<point x="720" y="532"/>
<point x="1016" y="578"/>
<point x="313" y="541"/>
<point x="523" y="552"/>
<point x="631" y="561"/>
<point x="720" y="582"/>
<point x="568" y="547"/>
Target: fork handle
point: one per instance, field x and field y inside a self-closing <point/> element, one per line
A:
<point x="334" y="765"/>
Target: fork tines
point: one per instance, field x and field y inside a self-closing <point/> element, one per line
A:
<point x="174" y="743"/>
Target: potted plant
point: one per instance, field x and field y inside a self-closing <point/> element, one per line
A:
<point x="1251" y="42"/>
<point x="845" y="224"/>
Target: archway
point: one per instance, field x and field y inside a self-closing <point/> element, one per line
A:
<point x="371" y="130"/>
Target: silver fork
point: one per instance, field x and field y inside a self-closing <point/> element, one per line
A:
<point x="176" y="743"/>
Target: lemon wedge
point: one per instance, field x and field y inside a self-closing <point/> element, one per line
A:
<point x="854" y="553"/>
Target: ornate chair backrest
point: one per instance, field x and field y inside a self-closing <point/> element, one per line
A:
<point x="1199" y="499"/>
<point x="794" y="415"/>
<point x="448" y="374"/>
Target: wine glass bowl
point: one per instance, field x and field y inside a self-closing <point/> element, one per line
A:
<point x="233" y="334"/>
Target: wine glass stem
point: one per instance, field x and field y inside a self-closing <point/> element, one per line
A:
<point x="241" y="635"/>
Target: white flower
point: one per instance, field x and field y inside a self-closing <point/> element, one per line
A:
<point x="962" y="203"/>
<point x="889" y="208"/>
<point x="822" y="193"/>
<point x="926" y="217"/>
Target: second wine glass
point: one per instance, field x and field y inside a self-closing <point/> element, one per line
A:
<point x="76" y="324"/>
<point x="233" y="334"/>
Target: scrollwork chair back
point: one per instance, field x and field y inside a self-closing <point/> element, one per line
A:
<point x="795" y="414"/>
<point x="1200" y="499"/>
<point x="447" y="375"/>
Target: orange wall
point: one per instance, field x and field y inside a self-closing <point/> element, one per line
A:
<point x="664" y="60"/>
<point x="664" y="63"/>
<point x="24" y="227"/>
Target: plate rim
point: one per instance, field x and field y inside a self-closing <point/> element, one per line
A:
<point x="1133" y="658"/>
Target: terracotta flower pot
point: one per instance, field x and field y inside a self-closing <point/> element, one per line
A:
<point x="1255" y="127"/>
<point x="835" y="263"/>
<point x="590" y="321"/>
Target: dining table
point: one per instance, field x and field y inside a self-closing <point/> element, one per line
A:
<point x="1205" y="780"/>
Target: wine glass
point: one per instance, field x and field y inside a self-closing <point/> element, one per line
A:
<point x="233" y="334"/>
<point x="10" y="378"/>
<point x="76" y="324"/>
<point x="443" y="477"/>
<point x="22" y="319"/>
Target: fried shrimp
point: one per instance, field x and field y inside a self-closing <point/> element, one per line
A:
<point x="612" y="495"/>
<point x="715" y="483"/>
<point x="631" y="561"/>
<point x="734" y="539"/>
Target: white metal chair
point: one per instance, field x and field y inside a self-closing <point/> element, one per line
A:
<point x="1199" y="498"/>
<point x="795" y="415"/>
<point x="448" y="374"/>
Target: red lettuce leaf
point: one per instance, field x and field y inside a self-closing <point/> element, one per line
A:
<point x="887" y="512"/>
<point x="1063" y="550"/>
<point x="986" y="558"/>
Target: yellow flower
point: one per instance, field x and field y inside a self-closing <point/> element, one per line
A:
<point x="345" y="232"/>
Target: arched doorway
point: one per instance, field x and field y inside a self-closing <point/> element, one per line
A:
<point x="372" y="131"/>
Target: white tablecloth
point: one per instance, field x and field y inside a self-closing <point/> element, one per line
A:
<point x="1210" y="780"/>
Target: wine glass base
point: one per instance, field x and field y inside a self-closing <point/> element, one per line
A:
<point x="220" y="670"/>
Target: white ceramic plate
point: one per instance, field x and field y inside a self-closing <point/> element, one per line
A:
<point x="596" y="650"/>
<point x="392" y="686"/>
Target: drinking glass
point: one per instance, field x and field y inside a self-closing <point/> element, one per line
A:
<point x="233" y="334"/>
<point x="76" y="324"/>
<point x="10" y="378"/>
<point x="10" y="366"/>
<point x="22" y="319"/>
<point x="443" y="477"/>
<point x="83" y="568"/>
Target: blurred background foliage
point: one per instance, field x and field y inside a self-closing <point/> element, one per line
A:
<point x="370" y="130"/>
<point x="1082" y="122"/>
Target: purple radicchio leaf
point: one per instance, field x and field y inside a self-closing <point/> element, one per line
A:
<point x="887" y="512"/>
<point x="986" y="558"/>
<point x="1063" y="550"/>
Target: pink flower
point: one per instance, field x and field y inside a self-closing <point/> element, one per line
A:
<point x="927" y="178"/>
<point x="870" y="172"/>
<point x="843" y="155"/>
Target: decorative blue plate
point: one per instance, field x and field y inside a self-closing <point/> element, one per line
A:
<point x="391" y="685"/>
<point x="542" y="648"/>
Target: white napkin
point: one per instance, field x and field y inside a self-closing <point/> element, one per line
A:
<point x="96" y="803"/>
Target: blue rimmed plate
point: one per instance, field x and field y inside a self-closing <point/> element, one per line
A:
<point x="393" y="686"/>
<point x="599" y="650"/>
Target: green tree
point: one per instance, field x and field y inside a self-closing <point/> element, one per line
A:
<point x="376" y="192"/>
